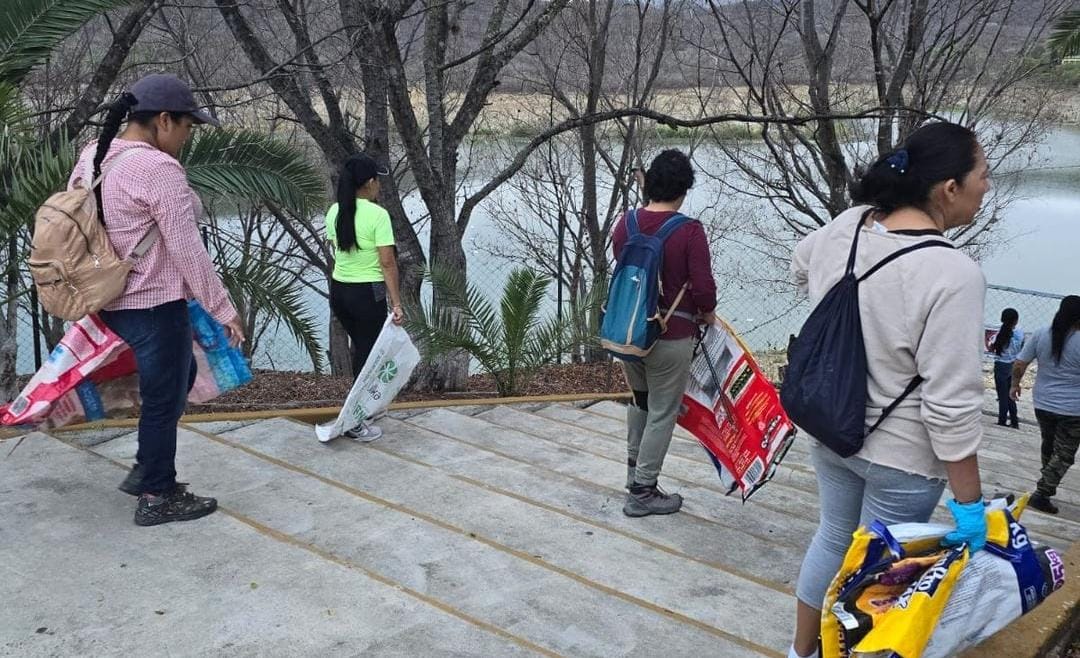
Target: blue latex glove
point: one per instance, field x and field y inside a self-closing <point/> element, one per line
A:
<point x="970" y="525"/>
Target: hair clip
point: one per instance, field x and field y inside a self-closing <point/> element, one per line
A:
<point x="898" y="160"/>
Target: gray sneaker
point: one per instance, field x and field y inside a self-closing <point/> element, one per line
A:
<point x="365" y="432"/>
<point x="646" y="499"/>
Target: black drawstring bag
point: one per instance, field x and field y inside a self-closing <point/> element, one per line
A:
<point x="824" y="390"/>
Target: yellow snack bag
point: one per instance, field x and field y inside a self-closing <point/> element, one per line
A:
<point x="900" y="593"/>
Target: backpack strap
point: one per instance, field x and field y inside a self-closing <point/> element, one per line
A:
<point x="672" y="224"/>
<point x="151" y="236"/>
<point x="850" y="269"/>
<point x="88" y="176"/>
<point x="631" y="223"/>
<point x="147" y="241"/>
<point x="912" y="385"/>
<point x="902" y="252"/>
<point x="666" y="317"/>
<point x="917" y="380"/>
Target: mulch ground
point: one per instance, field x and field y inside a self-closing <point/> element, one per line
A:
<point x="283" y="390"/>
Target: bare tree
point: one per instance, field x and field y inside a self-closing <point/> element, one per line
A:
<point x="456" y="83"/>
<point x="912" y="59"/>
<point x="599" y="55"/>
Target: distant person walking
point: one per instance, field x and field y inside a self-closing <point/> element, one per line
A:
<point x="1056" y="396"/>
<point x="658" y="381"/>
<point x="921" y="315"/>
<point x="1006" y="346"/>
<point x="145" y="198"/>
<point x="365" y="275"/>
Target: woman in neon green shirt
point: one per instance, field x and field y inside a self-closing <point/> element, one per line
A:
<point x="365" y="273"/>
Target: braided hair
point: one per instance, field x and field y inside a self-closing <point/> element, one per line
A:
<point x="118" y="111"/>
<point x="115" y="116"/>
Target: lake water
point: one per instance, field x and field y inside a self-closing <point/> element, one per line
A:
<point x="1035" y="247"/>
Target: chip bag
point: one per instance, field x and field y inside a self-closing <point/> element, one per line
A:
<point x="900" y="593"/>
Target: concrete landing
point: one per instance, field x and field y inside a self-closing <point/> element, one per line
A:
<point x="475" y="532"/>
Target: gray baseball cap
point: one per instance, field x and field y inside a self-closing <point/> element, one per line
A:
<point x="163" y="92"/>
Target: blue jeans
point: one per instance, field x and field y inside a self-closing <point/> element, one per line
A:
<point x="161" y="339"/>
<point x="1002" y="383"/>
<point x="854" y="492"/>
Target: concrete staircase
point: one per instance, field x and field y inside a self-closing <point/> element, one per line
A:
<point x="491" y="531"/>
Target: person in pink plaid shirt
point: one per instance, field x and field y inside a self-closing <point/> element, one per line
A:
<point x="145" y="195"/>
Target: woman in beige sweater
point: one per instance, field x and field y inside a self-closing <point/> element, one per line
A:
<point x="922" y="314"/>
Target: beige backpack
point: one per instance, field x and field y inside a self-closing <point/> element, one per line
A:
<point x="73" y="263"/>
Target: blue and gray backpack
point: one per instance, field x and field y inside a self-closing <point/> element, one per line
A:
<point x="632" y="321"/>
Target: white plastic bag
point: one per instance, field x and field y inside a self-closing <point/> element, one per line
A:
<point x="386" y="371"/>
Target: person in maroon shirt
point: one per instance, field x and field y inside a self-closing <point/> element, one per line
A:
<point x="658" y="381"/>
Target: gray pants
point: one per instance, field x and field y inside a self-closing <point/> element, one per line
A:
<point x="658" y="383"/>
<point x="854" y="492"/>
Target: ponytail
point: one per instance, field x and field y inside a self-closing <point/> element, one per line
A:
<point x="346" y="215"/>
<point x="1009" y="318"/>
<point x="117" y="111"/>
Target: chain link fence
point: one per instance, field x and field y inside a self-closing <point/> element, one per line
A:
<point x="764" y="317"/>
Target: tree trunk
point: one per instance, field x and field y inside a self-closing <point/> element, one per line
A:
<point x="339" y="354"/>
<point x="452" y="372"/>
<point x="9" y="328"/>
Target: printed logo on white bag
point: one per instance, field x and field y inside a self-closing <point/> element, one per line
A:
<point x="359" y="414"/>
<point x="388" y="371"/>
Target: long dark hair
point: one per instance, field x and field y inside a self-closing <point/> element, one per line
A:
<point x="114" y="118"/>
<point x="1009" y="318"/>
<point x="1065" y="321"/>
<point x="351" y="178"/>
<point x="903" y="177"/>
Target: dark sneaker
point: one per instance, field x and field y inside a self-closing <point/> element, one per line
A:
<point x="1042" y="503"/>
<point x="645" y="499"/>
<point x="176" y="505"/>
<point x="132" y="484"/>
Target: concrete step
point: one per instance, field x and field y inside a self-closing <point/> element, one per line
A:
<point x="547" y="579"/>
<point x="79" y="578"/>
<point x="1004" y="467"/>
<point x="793" y="490"/>
<point x="788" y="511"/>
<point x="1005" y="451"/>
<point x="590" y="489"/>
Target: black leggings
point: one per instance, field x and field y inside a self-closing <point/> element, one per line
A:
<point x="361" y="308"/>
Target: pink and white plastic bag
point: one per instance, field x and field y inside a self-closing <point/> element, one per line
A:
<point x="92" y="371"/>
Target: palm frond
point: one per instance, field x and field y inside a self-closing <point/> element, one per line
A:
<point x="31" y="176"/>
<point x="452" y="291"/>
<point x="248" y="166"/>
<point x="522" y="296"/>
<point x="545" y="343"/>
<point x="263" y="284"/>
<point x="1065" y="39"/>
<point x="444" y="329"/>
<point x="509" y="346"/>
<point x="31" y="29"/>
<point x="12" y="112"/>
